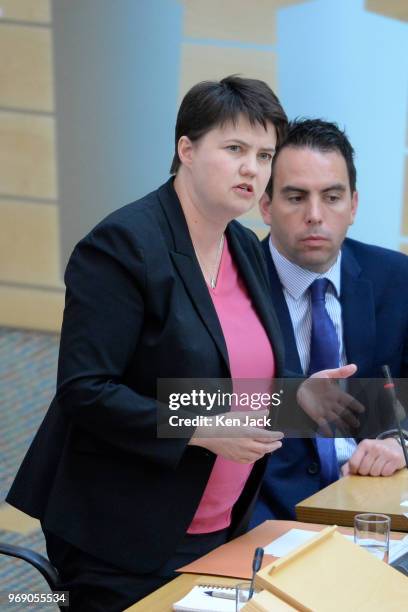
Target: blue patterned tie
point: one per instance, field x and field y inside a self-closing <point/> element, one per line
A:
<point x="324" y="354"/>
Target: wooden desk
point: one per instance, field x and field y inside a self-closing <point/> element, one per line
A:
<point x="338" y="503"/>
<point x="240" y="549"/>
<point x="163" y="599"/>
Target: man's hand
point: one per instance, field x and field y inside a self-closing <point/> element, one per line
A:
<point x="325" y="402"/>
<point x="246" y="444"/>
<point x="375" y="458"/>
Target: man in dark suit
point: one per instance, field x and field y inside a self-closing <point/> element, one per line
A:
<point x="310" y="202"/>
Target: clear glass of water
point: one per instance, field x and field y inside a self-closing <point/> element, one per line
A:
<point x="372" y="532"/>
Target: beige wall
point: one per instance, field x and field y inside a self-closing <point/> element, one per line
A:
<point x="31" y="292"/>
<point x="233" y="20"/>
<point x="397" y="9"/>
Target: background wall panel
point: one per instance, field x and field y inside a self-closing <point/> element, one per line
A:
<point x="36" y="11"/>
<point x="247" y="22"/>
<point x="200" y="62"/>
<point x="241" y="20"/>
<point x="27" y="156"/>
<point x="25" y="67"/>
<point x="30" y="308"/>
<point x="398" y="9"/>
<point x="29" y="243"/>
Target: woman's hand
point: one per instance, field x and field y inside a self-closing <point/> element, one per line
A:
<point x="245" y="443"/>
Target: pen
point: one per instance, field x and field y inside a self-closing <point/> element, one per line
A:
<point x="256" y="566"/>
<point x="221" y="594"/>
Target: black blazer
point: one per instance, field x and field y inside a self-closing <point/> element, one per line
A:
<point x="374" y="303"/>
<point x="137" y="309"/>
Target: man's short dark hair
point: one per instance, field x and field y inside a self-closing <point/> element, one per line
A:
<point x="213" y="103"/>
<point x="321" y="136"/>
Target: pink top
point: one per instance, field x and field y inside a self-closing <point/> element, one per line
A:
<point x="250" y="356"/>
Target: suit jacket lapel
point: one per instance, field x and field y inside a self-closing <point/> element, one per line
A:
<point x="358" y="313"/>
<point x="292" y="361"/>
<point x="264" y="308"/>
<point x="186" y="263"/>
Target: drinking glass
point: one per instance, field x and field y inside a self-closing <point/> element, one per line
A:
<point x="372" y="532"/>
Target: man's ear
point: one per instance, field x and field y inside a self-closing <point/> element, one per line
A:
<point x="185" y="150"/>
<point x="354" y="206"/>
<point x="265" y="208"/>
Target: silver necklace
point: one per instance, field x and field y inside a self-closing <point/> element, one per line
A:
<point x="216" y="265"/>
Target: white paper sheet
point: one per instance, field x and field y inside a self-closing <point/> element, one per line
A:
<point x="295" y="537"/>
<point x="397" y="547"/>
<point x="288" y="541"/>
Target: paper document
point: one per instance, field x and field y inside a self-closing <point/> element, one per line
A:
<point x="288" y="541"/>
<point x="397" y="547"/>
<point x="295" y="537"/>
<point x="197" y="600"/>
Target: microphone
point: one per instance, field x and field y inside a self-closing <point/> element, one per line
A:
<point x="390" y="390"/>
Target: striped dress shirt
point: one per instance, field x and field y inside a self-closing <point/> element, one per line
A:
<point x="295" y="284"/>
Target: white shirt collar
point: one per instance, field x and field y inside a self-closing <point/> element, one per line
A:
<point x="297" y="280"/>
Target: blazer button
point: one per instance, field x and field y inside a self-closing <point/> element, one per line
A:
<point x="313" y="468"/>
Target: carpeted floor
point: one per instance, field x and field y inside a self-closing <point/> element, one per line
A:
<point x="28" y="364"/>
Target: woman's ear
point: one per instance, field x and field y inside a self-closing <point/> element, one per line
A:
<point x="185" y="150"/>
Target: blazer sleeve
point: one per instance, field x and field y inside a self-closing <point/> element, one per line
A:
<point x="103" y="320"/>
<point x="404" y="367"/>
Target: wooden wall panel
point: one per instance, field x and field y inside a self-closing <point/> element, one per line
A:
<point x="36" y="11"/>
<point x="201" y="62"/>
<point x="230" y="20"/>
<point x="25" y="68"/>
<point x="397" y="9"/>
<point x="31" y="308"/>
<point x="29" y="231"/>
<point x="283" y="3"/>
<point x="240" y="20"/>
<point x="29" y="243"/>
<point x="27" y="156"/>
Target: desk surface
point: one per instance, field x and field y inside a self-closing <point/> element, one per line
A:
<point x="163" y="599"/>
<point x="338" y="503"/>
<point x="243" y="547"/>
